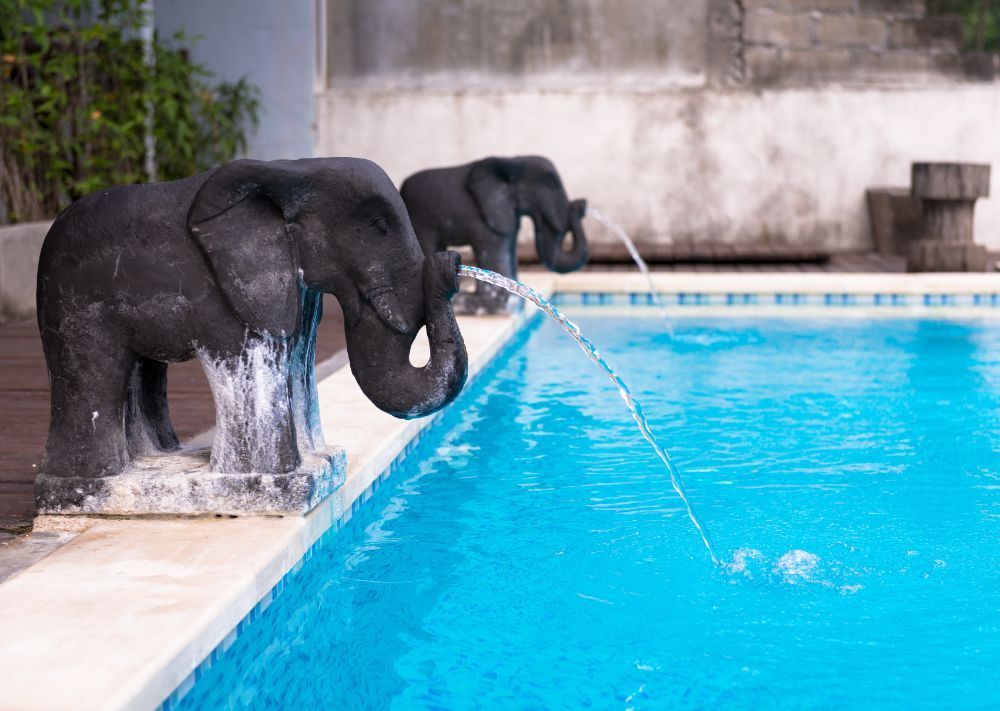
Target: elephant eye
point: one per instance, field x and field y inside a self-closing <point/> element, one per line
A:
<point x="381" y="225"/>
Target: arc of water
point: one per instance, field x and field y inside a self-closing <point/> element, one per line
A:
<point x="636" y="257"/>
<point x="529" y="294"/>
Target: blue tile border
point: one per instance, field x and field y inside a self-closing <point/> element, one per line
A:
<point x="736" y="299"/>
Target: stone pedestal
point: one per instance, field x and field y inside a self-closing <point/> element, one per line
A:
<point x="181" y="483"/>
<point x="948" y="194"/>
<point x="896" y="219"/>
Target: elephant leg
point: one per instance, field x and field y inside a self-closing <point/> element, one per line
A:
<point x="255" y="429"/>
<point x="148" y="429"/>
<point x="302" y="369"/>
<point x="89" y="388"/>
<point x="498" y="255"/>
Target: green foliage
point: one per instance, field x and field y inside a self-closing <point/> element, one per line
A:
<point x="980" y="21"/>
<point x="79" y="93"/>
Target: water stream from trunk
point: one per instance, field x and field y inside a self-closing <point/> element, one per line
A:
<point x="529" y="294"/>
<point x="636" y="257"/>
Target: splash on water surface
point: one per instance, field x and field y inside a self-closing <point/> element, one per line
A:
<point x="796" y="564"/>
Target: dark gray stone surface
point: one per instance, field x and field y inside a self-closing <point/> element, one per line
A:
<point x="896" y="219"/>
<point x="948" y="194"/>
<point x="950" y="181"/>
<point x="850" y="42"/>
<point x="931" y="255"/>
<point x="226" y="267"/>
<point x="527" y="42"/>
<point x="481" y="204"/>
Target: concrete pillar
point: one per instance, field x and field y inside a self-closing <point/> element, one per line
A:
<point x="948" y="194"/>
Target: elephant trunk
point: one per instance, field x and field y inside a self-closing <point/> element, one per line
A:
<point x="549" y="243"/>
<point x="379" y="351"/>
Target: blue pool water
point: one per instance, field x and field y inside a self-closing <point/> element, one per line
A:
<point x="531" y="554"/>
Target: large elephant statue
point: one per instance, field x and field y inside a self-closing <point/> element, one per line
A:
<point x="227" y="266"/>
<point x="481" y="204"/>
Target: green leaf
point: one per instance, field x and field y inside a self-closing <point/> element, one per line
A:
<point x="80" y="124"/>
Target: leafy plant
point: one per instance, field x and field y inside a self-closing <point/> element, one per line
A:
<point x="980" y="21"/>
<point x="83" y="98"/>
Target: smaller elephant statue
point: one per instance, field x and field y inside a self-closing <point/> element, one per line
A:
<point x="481" y="204"/>
<point x="227" y="266"/>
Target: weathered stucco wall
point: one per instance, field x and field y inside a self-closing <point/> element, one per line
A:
<point x="538" y="42"/>
<point x="272" y="43"/>
<point x="788" y="165"/>
<point x="722" y="120"/>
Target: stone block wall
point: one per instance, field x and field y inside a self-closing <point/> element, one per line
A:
<point x="857" y="42"/>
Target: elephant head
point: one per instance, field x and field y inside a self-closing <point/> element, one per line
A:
<point x="506" y="188"/>
<point x="339" y="226"/>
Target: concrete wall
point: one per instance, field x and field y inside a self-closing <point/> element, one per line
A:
<point x="796" y="42"/>
<point x="20" y="246"/>
<point x="785" y="166"/>
<point x="730" y="120"/>
<point x="274" y="44"/>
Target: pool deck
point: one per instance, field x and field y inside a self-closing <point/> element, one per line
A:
<point x="122" y="614"/>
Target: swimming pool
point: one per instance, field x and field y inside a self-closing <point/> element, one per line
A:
<point x="529" y="553"/>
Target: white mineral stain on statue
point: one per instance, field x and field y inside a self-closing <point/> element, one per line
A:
<point x="251" y="395"/>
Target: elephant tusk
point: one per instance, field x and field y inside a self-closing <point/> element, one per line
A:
<point x="383" y="300"/>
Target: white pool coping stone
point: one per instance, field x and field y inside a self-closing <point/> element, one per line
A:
<point x="121" y="615"/>
<point x="780" y="282"/>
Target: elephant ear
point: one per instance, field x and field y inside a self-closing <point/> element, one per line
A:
<point x="238" y="220"/>
<point x="492" y="184"/>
